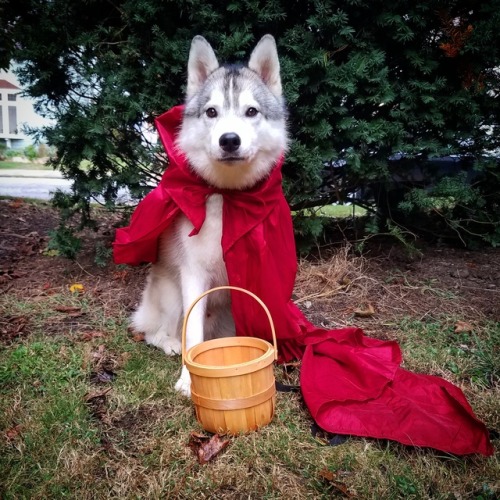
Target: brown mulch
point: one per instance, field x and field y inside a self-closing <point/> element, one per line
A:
<point x="340" y="288"/>
<point x="386" y="285"/>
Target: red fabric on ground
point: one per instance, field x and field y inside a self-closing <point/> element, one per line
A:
<point x="351" y="384"/>
<point x="354" y="385"/>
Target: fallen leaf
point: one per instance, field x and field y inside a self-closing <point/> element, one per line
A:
<point x="48" y="288"/>
<point x="207" y="448"/>
<point x="76" y="288"/>
<point x="462" y="327"/>
<point x="75" y="314"/>
<point x="13" y="326"/>
<point x="366" y="311"/>
<point x="8" y="274"/>
<point x="17" y="203"/>
<point x="120" y="275"/>
<point x="96" y="394"/>
<point x="67" y="309"/>
<point x="97" y="404"/>
<point x="326" y="474"/>
<point x="331" y="478"/>
<point x="86" y="336"/>
<point x="18" y="323"/>
<point x="138" y="337"/>
<point x="97" y="355"/>
<point x="13" y="432"/>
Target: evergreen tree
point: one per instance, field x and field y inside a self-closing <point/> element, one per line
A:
<point x="365" y="81"/>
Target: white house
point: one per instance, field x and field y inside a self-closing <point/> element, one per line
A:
<point x="13" y="113"/>
<point x="17" y="112"/>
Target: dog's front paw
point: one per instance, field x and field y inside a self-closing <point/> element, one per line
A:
<point x="183" y="385"/>
<point x="171" y="346"/>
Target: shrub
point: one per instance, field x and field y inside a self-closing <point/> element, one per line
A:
<point x="30" y="152"/>
<point x="365" y="81"/>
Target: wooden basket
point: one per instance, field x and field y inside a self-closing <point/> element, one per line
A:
<point x="232" y="379"/>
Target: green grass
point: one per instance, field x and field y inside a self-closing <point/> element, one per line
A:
<point x="337" y="211"/>
<point x="11" y="165"/>
<point x="468" y="356"/>
<point x="25" y="199"/>
<point x="341" y="211"/>
<point x="60" y="438"/>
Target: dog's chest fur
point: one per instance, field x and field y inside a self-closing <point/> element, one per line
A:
<point x="202" y="253"/>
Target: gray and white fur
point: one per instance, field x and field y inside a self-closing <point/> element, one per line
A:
<point x="233" y="132"/>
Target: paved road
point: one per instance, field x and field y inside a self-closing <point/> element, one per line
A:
<point x="41" y="184"/>
<point x="37" y="184"/>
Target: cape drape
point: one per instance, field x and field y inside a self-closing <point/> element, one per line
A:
<point x="351" y="384"/>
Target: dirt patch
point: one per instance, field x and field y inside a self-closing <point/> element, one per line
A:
<point x="27" y="267"/>
<point x="332" y="290"/>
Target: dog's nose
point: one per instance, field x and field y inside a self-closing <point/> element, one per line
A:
<point x="229" y="142"/>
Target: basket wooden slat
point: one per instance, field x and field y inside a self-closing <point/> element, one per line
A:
<point x="232" y="378"/>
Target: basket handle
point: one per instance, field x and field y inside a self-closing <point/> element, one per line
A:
<point x="228" y="287"/>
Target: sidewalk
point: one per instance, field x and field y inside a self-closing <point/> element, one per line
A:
<point x="21" y="172"/>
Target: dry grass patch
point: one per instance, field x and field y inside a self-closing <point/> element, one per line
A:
<point x="343" y="288"/>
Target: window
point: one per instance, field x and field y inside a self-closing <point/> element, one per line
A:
<point x="11" y="97"/>
<point x="12" y="120"/>
<point x="1" y="120"/>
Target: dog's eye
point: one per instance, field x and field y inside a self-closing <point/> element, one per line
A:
<point x="211" y="112"/>
<point x="251" y="112"/>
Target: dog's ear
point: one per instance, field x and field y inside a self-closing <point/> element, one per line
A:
<point x="202" y="62"/>
<point x="264" y="61"/>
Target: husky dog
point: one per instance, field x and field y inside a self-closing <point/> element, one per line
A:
<point x="233" y="132"/>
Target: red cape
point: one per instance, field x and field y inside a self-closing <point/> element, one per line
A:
<point x="351" y="384"/>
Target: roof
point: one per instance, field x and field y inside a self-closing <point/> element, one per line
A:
<point x="4" y="84"/>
